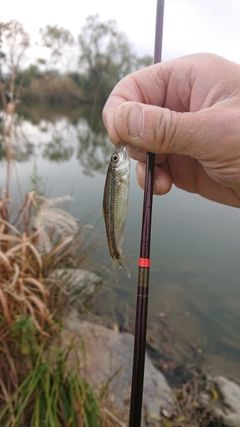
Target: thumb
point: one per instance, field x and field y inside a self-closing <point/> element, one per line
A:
<point x="161" y="130"/>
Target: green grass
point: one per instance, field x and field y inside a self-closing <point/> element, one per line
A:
<point x="52" y="395"/>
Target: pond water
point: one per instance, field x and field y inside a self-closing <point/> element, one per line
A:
<point x="195" y="247"/>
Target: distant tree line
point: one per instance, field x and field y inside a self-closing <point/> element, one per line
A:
<point x="82" y="69"/>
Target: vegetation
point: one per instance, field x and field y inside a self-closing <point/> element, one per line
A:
<point x="59" y="41"/>
<point x="106" y="56"/>
<point x="49" y="393"/>
<point x="15" y="41"/>
<point x="37" y="387"/>
<point x="81" y="70"/>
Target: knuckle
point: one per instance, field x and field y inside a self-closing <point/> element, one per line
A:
<point x="164" y="131"/>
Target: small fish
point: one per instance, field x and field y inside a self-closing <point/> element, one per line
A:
<point x="115" y="201"/>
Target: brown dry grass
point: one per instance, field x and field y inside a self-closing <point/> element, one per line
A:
<point x="53" y="90"/>
<point x="31" y="307"/>
<point x="22" y="291"/>
<point x="25" y="264"/>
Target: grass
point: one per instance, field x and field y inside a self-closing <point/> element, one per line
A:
<point x="53" y="90"/>
<point x="36" y="386"/>
<point x="43" y="239"/>
<point x="22" y="291"/>
<point x="51" y="395"/>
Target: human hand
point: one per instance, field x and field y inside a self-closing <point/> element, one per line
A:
<point x="187" y="111"/>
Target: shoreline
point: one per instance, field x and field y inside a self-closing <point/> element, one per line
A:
<point x="197" y="399"/>
<point x="170" y="351"/>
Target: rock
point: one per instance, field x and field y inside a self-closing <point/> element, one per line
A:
<point x="108" y="360"/>
<point x="230" y="394"/>
<point x="80" y="284"/>
<point x="227" y="407"/>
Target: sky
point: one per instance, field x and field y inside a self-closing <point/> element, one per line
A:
<point x="190" y="26"/>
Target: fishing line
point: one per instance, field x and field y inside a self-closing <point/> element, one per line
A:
<point x="144" y="262"/>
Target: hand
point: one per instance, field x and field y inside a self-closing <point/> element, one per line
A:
<point x="187" y="111"/>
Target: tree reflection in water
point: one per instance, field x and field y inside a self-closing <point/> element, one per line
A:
<point x="59" y="134"/>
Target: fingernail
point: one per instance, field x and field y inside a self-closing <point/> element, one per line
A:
<point x="135" y="121"/>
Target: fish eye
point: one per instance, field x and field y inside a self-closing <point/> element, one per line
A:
<point x="115" y="158"/>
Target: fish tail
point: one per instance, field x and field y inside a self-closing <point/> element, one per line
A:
<point x="116" y="265"/>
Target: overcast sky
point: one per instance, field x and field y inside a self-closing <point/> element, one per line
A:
<point x="189" y="25"/>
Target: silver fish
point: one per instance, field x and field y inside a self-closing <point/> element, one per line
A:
<point x="115" y="201"/>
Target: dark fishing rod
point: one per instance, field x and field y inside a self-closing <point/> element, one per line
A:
<point x="144" y="262"/>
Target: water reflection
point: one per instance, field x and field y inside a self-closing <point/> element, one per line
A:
<point x="60" y="136"/>
<point x="195" y="243"/>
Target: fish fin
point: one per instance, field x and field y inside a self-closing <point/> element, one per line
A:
<point x="116" y="265"/>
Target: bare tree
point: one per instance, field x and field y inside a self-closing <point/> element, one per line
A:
<point x="60" y="42"/>
<point x="15" y="41"/>
<point x="105" y="55"/>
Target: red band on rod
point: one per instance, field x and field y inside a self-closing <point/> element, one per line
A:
<point x="144" y="262"/>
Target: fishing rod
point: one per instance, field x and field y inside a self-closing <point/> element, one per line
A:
<point x="144" y="262"/>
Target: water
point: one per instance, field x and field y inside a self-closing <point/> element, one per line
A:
<point x="195" y="246"/>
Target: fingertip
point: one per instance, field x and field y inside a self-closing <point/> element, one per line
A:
<point x="104" y="118"/>
<point x="109" y="117"/>
<point x="140" y="171"/>
<point x="162" y="179"/>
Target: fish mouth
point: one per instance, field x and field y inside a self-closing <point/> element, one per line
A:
<point x="122" y="147"/>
